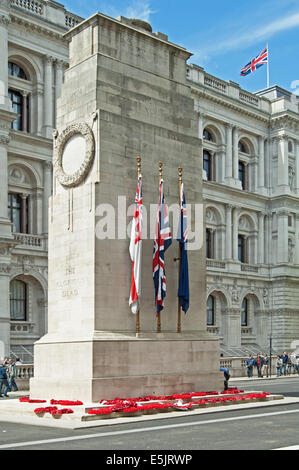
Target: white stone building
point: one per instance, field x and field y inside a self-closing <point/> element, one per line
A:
<point x="34" y="55"/>
<point x="251" y="190"/>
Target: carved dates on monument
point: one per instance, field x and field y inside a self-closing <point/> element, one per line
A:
<point x="74" y="151"/>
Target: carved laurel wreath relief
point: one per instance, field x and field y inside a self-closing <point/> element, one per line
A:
<point x="60" y="141"/>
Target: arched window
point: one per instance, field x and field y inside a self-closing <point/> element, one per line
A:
<point x="18" y="212"/>
<point x="17" y="107"/>
<point x="208" y="136"/>
<point x="16" y="71"/>
<point x="243" y="147"/>
<point x="208" y="165"/>
<point x="242" y="175"/>
<point x="244" y="313"/>
<point x="18" y="300"/>
<point x="211" y="311"/>
<point x="242" y="249"/>
<point x="210" y="242"/>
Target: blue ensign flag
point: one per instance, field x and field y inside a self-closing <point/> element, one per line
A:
<point x="183" y="290"/>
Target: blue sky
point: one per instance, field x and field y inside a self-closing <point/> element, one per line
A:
<point x="223" y="35"/>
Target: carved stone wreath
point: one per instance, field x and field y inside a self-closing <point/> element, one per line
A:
<point x="59" y="144"/>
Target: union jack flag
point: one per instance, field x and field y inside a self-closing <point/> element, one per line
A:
<point x="163" y="240"/>
<point x="136" y="250"/>
<point x="255" y="63"/>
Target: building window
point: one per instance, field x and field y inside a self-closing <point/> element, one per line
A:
<point x="211" y="311"/>
<point x="290" y="146"/>
<point x="208" y="165"/>
<point x="16" y="71"/>
<point x="18" y="212"/>
<point x="242" y="175"/>
<point x="244" y="313"/>
<point x="242" y="147"/>
<point x="18" y="300"/>
<point x="210" y="243"/>
<point x="208" y="136"/>
<point x="17" y="107"/>
<point x="242" y="249"/>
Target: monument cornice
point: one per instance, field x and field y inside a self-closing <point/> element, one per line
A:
<point x="98" y="18"/>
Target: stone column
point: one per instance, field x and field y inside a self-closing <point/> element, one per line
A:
<point x="296" y="152"/>
<point x="47" y="193"/>
<point x="200" y="124"/>
<point x="39" y="212"/>
<point x="282" y="236"/>
<point x="232" y="327"/>
<point x="24" y="111"/>
<point x="267" y="164"/>
<point x="267" y="238"/>
<point x="236" y="153"/>
<point x="261" y="165"/>
<point x="39" y="97"/>
<point x="5" y="224"/>
<point x="24" y="220"/>
<point x="261" y="238"/>
<point x="228" y="232"/>
<point x="5" y="307"/>
<point x="228" y="155"/>
<point x="4" y="22"/>
<point x="48" y="97"/>
<point x="283" y="164"/>
<point x="235" y="233"/>
<point x="59" y="66"/>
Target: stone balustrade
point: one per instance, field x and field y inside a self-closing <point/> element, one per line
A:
<point x="32" y="6"/>
<point x="237" y="366"/>
<point x="28" y="240"/>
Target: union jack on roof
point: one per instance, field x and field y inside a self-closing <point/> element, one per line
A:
<point x="256" y="63"/>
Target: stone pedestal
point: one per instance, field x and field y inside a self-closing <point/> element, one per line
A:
<point x="124" y="94"/>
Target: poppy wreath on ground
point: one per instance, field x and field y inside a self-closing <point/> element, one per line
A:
<point x="66" y="402"/>
<point x="64" y="411"/>
<point x="47" y="409"/>
<point x="28" y="400"/>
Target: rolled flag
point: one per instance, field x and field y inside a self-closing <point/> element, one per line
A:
<point x="162" y="241"/>
<point x="136" y="250"/>
<point x="183" y="290"/>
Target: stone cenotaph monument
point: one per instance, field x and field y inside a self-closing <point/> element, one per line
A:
<point x="125" y="94"/>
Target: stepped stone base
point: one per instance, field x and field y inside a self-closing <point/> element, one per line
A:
<point x="124" y="366"/>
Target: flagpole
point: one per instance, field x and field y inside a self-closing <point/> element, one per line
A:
<point x="179" y="329"/>
<point x="158" y="313"/>
<point x="268" y="68"/>
<point x="138" y="313"/>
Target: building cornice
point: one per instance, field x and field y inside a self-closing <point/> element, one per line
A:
<point x="229" y="102"/>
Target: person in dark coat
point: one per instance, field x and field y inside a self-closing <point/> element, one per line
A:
<point x="3" y="380"/>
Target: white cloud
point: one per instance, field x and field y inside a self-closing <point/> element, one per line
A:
<point x="140" y="10"/>
<point x="250" y="36"/>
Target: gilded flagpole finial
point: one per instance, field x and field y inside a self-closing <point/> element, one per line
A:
<point x="138" y="166"/>
<point x="160" y="170"/>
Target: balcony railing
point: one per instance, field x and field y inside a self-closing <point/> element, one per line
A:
<point x="31" y="241"/>
<point x="249" y="268"/>
<point x="211" y="263"/>
<point x="32" y="6"/>
<point x="41" y="8"/>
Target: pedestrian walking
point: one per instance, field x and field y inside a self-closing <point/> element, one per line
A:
<point x="265" y="368"/>
<point x="297" y="365"/>
<point x="293" y="360"/>
<point x="250" y="362"/>
<point x="259" y="365"/>
<point x="12" y="373"/>
<point x="285" y="361"/>
<point x="3" y="380"/>
<point x="279" y="366"/>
